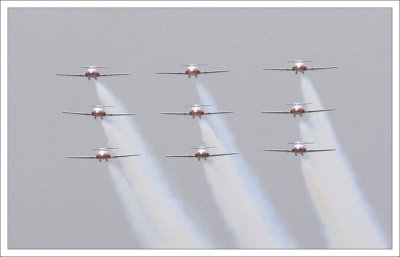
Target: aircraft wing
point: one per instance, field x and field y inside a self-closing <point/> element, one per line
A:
<point x="276" y="112"/>
<point x="278" y="150"/>
<point x="324" y="110"/>
<point x="321" y="68"/>
<point x="322" y="150"/>
<point x="176" y="113"/>
<point x="188" y="156"/>
<point x="72" y="75"/>
<point x="172" y="73"/>
<point x="114" y="74"/>
<point x="79" y="113"/>
<point x="127" y="155"/>
<point x="215" y="71"/>
<point x="82" y="157"/>
<point x="210" y="113"/>
<point x="282" y="69"/>
<point x="119" y="114"/>
<point x="221" y="154"/>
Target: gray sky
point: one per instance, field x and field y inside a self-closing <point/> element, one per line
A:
<point x="54" y="202"/>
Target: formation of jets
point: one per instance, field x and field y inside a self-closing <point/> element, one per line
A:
<point x="197" y="111"/>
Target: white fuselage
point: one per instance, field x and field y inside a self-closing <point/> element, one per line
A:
<point x="299" y="64"/>
<point x="192" y="68"/>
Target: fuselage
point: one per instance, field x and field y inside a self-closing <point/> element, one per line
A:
<point x="103" y="155"/>
<point x="297" y="109"/>
<point x="98" y="112"/>
<point x="196" y="111"/>
<point x="299" y="149"/>
<point x="202" y="154"/>
<point x="92" y="73"/>
<point x="299" y="67"/>
<point x="192" y="70"/>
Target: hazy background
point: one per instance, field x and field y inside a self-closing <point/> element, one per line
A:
<point x="55" y="202"/>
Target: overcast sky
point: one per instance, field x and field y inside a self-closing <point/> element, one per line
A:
<point x="55" y="202"/>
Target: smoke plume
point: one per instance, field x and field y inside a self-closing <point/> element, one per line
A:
<point x="348" y="219"/>
<point x="173" y="229"/>
<point x="241" y="201"/>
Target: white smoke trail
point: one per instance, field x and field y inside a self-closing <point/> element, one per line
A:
<point x="173" y="227"/>
<point x="138" y="219"/>
<point x="251" y="227"/>
<point x="347" y="218"/>
<point x="248" y="213"/>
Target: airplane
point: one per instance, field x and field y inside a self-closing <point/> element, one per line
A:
<point x="103" y="154"/>
<point x="297" y="109"/>
<point x="298" y="149"/>
<point x="192" y="70"/>
<point x="299" y="66"/>
<point x="98" y="111"/>
<point x="196" y="111"/>
<point x="202" y="153"/>
<point x="93" y="73"/>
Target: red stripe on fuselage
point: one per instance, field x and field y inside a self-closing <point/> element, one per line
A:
<point x="202" y="154"/>
<point x="299" y="68"/>
<point x="104" y="156"/>
<point x="192" y="72"/>
<point x="301" y="110"/>
<point x="99" y="113"/>
<point x="92" y="74"/>
<point x="299" y="150"/>
<point x="196" y="112"/>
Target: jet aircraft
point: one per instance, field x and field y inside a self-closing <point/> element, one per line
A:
<point x="202" y="153"/>
<point x="298" y="149"/>
<point x="192" y="70"/>
<point x="93" y="73"/>
<point x="298" y="109"/>
<point x="103" y="154"/>
<point x="196" y="111"/>
<point x="98" y="111"/>
<point x="299" y="66"/>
